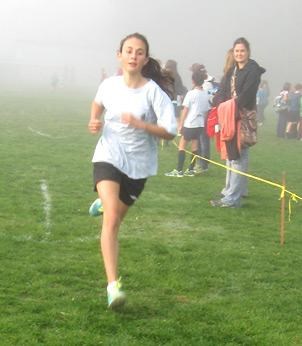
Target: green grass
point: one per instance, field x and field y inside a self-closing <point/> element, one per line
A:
<point x="194" y="275"/>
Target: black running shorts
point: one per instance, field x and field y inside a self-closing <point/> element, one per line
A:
<point x="130" y="189"/>
<point x="191" y="133"/>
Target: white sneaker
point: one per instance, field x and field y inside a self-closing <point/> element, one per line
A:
<point x="175" y="173"/>
<point x="116" y="297"/>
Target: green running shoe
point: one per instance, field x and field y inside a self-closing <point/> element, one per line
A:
<point x="96" y="208"/>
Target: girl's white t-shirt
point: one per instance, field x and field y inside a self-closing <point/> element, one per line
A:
<point x="132" y="151"/>
<point x="197" y="101"/>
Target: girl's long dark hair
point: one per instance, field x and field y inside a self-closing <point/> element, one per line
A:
<point x="152" y="70"/>
<point x="198" y="77"/>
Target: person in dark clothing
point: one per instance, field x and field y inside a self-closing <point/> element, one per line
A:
<point x="262" y="101"/>
<point x="293" y="112"/>
<point x="179" y="89"/>
<point x="247" y="79"/>
<point x="299" y="126"/>
<point x="281" y="108"/>
<point x="241" y="83"/>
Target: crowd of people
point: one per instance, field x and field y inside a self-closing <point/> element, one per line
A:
<point x="288" y="106"/>
<point x="239" y="100"/>
<point x="145" y="102"/>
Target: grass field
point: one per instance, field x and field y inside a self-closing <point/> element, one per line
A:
<point x="194" y="275"/>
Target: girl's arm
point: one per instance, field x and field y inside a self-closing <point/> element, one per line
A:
<point x="184" y="114"/>
<point x="95" y="123"/>
<point x="153" y="129"/>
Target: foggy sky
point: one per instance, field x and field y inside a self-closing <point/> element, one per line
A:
<point x="84" y="34"/>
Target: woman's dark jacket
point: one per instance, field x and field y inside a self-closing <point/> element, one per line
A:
<point x="247" y="81"/>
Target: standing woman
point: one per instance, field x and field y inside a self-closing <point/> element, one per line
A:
<point x="241" y="83"/>
<point x="137" y="112"/>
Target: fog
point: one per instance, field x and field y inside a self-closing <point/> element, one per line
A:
<point x="75" y="39"/>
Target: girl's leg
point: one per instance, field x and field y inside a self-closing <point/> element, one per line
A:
<point x="288" y="129"/>
<point x="195" y="151"/>
<point x="181" y="153"/>
<point x="114" y="212"/>
<point x="281" y="126"/>
<point x="291" y="129"/>
<point x="224" y="191"/>
<point x="204" y="150"/>
<point x="182" y="143"/>
<point x="205" y="139"/>
<point x="237" y="182"/>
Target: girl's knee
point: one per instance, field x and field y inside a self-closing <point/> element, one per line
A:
<point x="111" y="220"/>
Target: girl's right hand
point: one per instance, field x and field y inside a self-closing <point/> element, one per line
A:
<point x="95" y="125"/>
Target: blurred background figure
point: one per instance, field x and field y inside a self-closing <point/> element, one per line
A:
<point x="281" y="108"/>
<point x="179" y="89"/>
<point x="191" y="124"/>
<point x="204" y="140"/>
<point x="54" y="81"/>
<point x="209" y="85"/>
<point x="262" y="101"/>
<point x="294" y="98"/>
<point x="300" y="119"/>
<point x="169" y="83"/>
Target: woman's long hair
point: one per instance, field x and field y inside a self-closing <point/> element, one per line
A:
<point x="229" y="61"/>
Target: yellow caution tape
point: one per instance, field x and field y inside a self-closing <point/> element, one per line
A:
<point x="292" y="196"/>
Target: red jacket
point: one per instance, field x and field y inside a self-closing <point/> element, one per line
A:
<point x="228" y="125"/>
